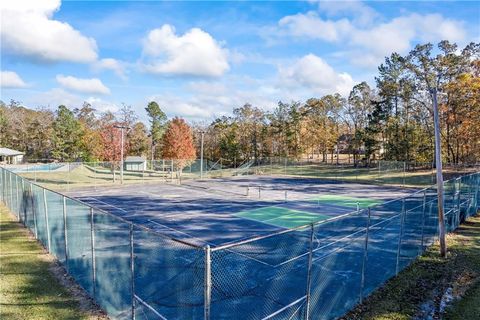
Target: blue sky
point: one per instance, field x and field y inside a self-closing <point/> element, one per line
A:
<point x="200" y="60"/>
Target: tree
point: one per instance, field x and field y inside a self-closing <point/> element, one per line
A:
<point x="138" y="139"/>
<point x="178" y="143"/>
<point x="358" y="108"/>
<point x="249" y="120"/>
<point x="158" y="122"/>
<point x="67" y="136"/>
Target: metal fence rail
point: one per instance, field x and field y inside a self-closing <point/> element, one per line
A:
<point x="316" y="271"/>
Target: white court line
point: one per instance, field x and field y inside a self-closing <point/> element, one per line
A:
<point x="209" y="243"/>
<point x="178" y="231"/>
<point x="149" y="307"/>
<point x="284" y="308"/>
<point x="105" y="203"/>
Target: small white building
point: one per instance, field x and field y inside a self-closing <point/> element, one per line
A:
<point x="10" y="156"/>
<point x="132" y="163"/>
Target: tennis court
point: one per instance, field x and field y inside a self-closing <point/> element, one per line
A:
<point x="264" y="247"/>
<point x="225" y="210"/>
<point x="260" y="239"/>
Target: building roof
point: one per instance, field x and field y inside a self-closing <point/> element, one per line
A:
<point x="134" y="159"/>
<point x="9" y="152"/>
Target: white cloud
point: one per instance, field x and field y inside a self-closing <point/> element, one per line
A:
<point x="55" y="97"/>
<point x="369" y="43"/>
<point x="111" y="64"/>
<point x="92" y="86"/>
<point x="10" y="79"/>
<point x="27" y="29"/>
<point x="312" y="26"/>
<point x="314" y="74"/>
<point x="102" y="105"/>
<point x="195" y="53"/>
<point x="58" y="96"/>
<point x="205" y="100"/>
<point x="359" y="11"/>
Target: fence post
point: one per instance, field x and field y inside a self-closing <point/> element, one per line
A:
<point x="65" y="231"/>
<point x="5" y="188"/>
<point x="18" y="198"/>
<point x="33" y="211"/>
<point x="46" y="220"/>
<point x="24" y="199"/>
<point x="459" y="192"/>
<point x="11" y="192"/>
<point x="3" y="183"/>
<point x="423" y="218"/>
<point x="92" y="238"/>
<point x="365" y="256"/>
<point x="132" y="271"/>
<point x="309" y="273"/>
<point x="402" y="217"/>
<point x="208" y="283"/>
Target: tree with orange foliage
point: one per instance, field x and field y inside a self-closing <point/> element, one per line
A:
<point x="178" y="143"/>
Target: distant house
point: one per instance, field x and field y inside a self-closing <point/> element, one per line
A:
<point x="10" y="156"/>
<point x="135" y="163"/>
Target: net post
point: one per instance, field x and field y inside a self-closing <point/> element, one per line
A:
<point x="402" y="217"/>
<point x="92" y="247"/>
<point x="259" y="192"/>
<point x="423" y="218"/>
<point x="45" y="206"/>
<point x="365" y="256"/>
<point x="65" y="230"/>
<point x="285" y="195"/>
<point x="132" y="272"/>
<point x="32" y="200"/>
<point x="207" y="294"/>
<point x="379" y="170"/>
<point x="309" y="273"/>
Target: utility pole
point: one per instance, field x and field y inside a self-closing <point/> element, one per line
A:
<point x="122" y="128"/>
<point x="438" y="162"/>
<point x="201" y="154"/>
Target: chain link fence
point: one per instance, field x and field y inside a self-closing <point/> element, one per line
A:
<point x="77" y="175"/>
<point x="316" y="271"/>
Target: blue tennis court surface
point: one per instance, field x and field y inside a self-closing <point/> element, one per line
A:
<point x="219" y="211"/>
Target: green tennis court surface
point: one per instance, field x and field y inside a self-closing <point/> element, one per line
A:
<point x="345" y="201"/>
<point x="281" y="217"/>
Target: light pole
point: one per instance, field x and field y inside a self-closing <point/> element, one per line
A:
<point x="121" y="151"/>
<point x="201" y="154"/>
<point x="438" y="162"/>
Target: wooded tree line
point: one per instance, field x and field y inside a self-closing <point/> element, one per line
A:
<point x="391" y="121"/>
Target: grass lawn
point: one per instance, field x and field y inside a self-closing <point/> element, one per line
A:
<point x="29" y="289"/>
<point x="421" y="290"/>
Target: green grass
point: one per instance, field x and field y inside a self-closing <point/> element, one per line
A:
<point x="83" y="176"/>
<point x="425" y="281"/>
<point x="28" y="289"/>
